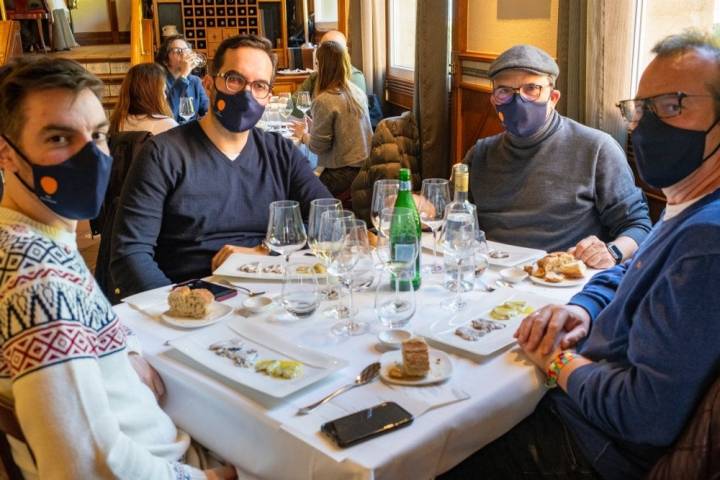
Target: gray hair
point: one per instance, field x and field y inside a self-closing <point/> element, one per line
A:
<point x="703" y="42"/>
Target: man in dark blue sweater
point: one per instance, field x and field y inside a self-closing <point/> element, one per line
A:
<point x="201" y="191"/>
<point x="653" y="347"/>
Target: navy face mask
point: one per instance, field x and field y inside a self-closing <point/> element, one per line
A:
<point x="238" y="112"/>
<point x="521" y="117"/>
<point x="74" y="189"/>
<point x="666" y="154"/>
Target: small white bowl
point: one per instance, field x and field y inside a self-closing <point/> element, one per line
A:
<point x="394" y="337"/>
<point x="258" y="304"/>
<point x="513" y="275"/>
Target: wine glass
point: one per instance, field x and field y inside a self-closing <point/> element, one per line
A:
<point x="303" y="102"/>
<point x="384" y="194"/>
<point x="326" y="245"/>
<point x="187" y="108"/>
<point x="481" y="251"/>
<point x="285" y="107"/>
<point x="317" y="208"/>
<point x="299" y="295"/>
<point x="197" y="60"/>
<point x="459" y="238"/>
<point x="353" y="240"/>
<point x="286" y="231"/>
<point x="398" y="248"/>
<point x="434" y="197"/>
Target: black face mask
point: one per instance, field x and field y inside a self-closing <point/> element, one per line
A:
<point x="74" y="189"/>
<point x="666" y="154"/>
<point x="237" y="112"/>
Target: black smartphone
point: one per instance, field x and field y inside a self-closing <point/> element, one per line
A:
<point x="366" y="424"/>
<point x="219" y="292"/>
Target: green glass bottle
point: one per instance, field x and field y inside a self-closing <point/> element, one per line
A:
<point x="405" y="200"/>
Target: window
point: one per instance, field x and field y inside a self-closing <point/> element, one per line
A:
<point x="401" y="38"/>
<point x="326" y="14"/>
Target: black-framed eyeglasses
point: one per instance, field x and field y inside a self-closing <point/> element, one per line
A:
<point x="236" y="83"/>
<point x="179" y="51"/>
<point x="528" y="91"/>
<point x="665" y="105"/>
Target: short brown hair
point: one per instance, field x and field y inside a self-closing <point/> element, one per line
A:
<point x="251" y="41"/>
<point x="35" y="73"/>
<point x="142" y="93"/>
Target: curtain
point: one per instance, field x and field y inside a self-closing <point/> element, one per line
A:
<point x="431" y="95"/>
<point x="595" y="54"/>
<point x="367" y="42"/>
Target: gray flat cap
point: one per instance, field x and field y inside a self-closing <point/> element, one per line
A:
<point x="525" y="57"/>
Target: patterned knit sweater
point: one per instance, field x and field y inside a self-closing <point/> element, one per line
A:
<point x="83" y="409"/>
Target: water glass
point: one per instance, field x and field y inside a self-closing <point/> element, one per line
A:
<point x="394" y="307"/>
<point x="458" y="247"/>
<point x="186" y="108"/>
<point x="300" y="295"/>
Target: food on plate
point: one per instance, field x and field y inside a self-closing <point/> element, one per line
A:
<point x="249" y="268"/>
<point x="317" y="268"/>
<point x="236" y="351"/>
<point x="275" y="268"/>
<point x="320" y="268"/>
<point x="477" y="329"/>
<point x="189" y="303"/>
<point x="416" y="359"/>
<point x="556" y="267"/>
<point x="510" y="309"/>
<point x="469" y="334"/>
<point x="286" y="369"/>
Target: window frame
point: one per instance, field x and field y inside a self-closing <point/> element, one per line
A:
<point x="400" y="81"/>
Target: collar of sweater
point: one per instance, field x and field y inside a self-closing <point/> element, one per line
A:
<point x="12" y="217"/>
<point x="551" y="125"/>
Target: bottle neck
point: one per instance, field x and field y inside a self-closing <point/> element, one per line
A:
<point x="461" y="197"/>
<point x="461" y="187"/>
<point x="405" y="185"/>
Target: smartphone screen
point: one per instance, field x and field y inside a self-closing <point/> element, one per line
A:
<point x="219" y="292"/>
<point x="366" y="424"/>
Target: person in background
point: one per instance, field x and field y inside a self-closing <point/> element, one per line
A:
<point x="86" y="401"/>
<point x="142" y="105"/>
<point x="174" y="54"/>
<point x="356" y="76"/>
<point x="201" y="191"/>
<point x="340" y="132"/>
<point x="652" y="351"/>
<point x="549" y="182"/>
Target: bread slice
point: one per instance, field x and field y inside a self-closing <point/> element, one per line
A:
<point x="188" y="303"/>
<point x="574" y="269"/>
<point x="554" y="277"/>
<point x="416" y="358"/>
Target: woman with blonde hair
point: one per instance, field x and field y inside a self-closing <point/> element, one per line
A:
<point x="143" y="105"/>
<point x="340" y="132"/>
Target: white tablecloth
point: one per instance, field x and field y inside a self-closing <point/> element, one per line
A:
<point x="262" y="436"/>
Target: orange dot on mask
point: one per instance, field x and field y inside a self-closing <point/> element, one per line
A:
<point x="49" y="185"/>
<point x="221" y="105"/>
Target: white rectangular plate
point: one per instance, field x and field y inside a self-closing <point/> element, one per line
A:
<point x="516" y="255"/>
<point x="442" y="331"/>
<point x="231" y="266"/>
<point x="316" y="365"/>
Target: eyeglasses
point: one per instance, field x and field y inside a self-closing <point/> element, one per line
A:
<point x="179" y="51"/>
<point x="528" y="91"/>
<point x="236" y="83"/>
<point x="666" y="105"/>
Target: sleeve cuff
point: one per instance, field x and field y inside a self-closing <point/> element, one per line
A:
<point x="585" y="302"/>
<point x="576" y="380"/>
<point x="636" y="233"/>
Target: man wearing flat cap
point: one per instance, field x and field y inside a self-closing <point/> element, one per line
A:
<point x="549" y="182"/>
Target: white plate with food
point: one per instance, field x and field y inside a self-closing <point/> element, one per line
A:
<point x="486" y="325"/>
<point x="243" y="265"/>
<point x="558" y="269"/>
<point x="499" y="254"/>
<point x="567" y="282"/>
<point x="391" y="369"/>
<point x="256" y="359"/>
<point x="216" y="312"/>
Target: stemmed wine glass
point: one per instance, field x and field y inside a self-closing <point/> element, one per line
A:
<point x="186" y="108"/>
<point x="435" y="195"/>
<point x="286" y="107"/>
<point x="351" y="237"/>
<point x="384" y="194"/>
<point x="317" y="208"/>
<point x="397" y="249"/>
<point x="326" y="246"/>
<point x="459" y="237"/>
<point x="286" y="231"/>
<point x="303" y="102"/>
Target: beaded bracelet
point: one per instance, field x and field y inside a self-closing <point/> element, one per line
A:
<point x="553" y="371"/>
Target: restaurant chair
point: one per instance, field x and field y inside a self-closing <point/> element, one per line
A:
<point x="9" y="426"/>
<point x="124" y="147"/>
<point x="696" y="453"/>
<point x="37" y="10"/>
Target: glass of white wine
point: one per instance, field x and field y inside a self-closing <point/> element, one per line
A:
<point x="317" y="208"/>
<point x="303" y="102"/>
<point x="186" y="108"/>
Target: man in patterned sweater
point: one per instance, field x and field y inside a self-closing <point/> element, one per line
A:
<point x="65" y="362"/>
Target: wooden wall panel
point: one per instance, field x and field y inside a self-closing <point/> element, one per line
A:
<point x="10" y="43"/>
<point x="477" y="119"/>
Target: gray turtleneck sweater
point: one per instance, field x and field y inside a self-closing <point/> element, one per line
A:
<point x="550" y="190"/>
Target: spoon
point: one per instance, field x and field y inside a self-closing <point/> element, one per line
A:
<point x="368" y="374"/>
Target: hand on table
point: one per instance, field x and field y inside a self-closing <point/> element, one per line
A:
<point x="593" y="252"/>
<point x="541" y="330"/>
<point x="221" y="473"/>
<point x="148" y="375"/>
<point x="298" y="128"/>
<point x="228" y="250"/>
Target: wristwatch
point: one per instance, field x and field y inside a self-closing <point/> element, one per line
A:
<point x="615" y="252"/>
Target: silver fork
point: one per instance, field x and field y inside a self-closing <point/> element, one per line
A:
<point x="247" y="291"/>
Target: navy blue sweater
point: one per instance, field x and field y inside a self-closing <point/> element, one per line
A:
<point x="655" y="341"/>
<point x="183" y="200"/>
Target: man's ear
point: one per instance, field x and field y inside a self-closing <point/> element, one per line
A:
<point x="207" y="82"/>
<point x="7" y="157"/>
<point x="555" y="97"/>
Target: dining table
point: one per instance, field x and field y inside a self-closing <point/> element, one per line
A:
<point x="262" y="435"/>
